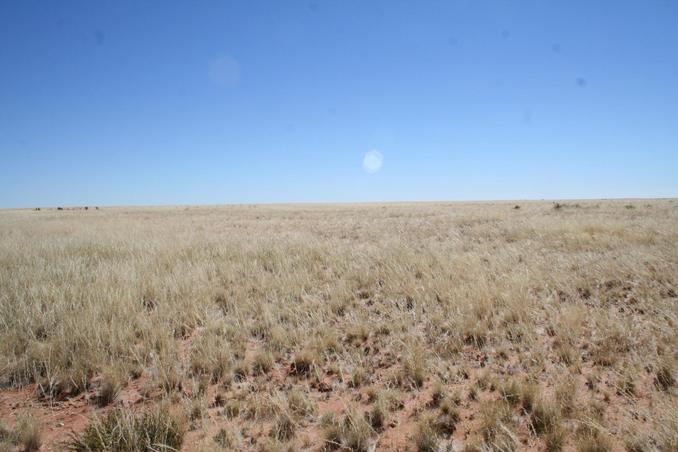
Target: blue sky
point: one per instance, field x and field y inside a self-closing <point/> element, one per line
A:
<point x="210" y="102"/>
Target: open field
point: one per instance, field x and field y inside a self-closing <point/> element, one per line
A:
<point x="432" y="326"/>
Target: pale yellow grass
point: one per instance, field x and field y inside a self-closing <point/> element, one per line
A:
<point x="464" y="297"/>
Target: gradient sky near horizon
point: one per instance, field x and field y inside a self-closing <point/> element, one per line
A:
<point x="139" y="102"/>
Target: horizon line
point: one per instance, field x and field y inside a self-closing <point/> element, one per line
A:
<point x="338" y="203"/>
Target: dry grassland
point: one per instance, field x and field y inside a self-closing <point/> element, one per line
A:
<point x="437" y="326"/>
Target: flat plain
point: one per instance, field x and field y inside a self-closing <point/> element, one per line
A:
<point x="527" y="325"/>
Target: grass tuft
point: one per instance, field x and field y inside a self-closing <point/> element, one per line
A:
<point x="120" y="430"/>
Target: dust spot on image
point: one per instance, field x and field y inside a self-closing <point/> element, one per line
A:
<point x="224" y="71"/>
<point x="373" y="161"/>
<point x="99" y="37"/>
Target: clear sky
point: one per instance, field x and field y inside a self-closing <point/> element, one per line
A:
<point x="210" y="102"/>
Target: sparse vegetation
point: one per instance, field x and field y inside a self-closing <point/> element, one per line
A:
<point x="351" y="327"/>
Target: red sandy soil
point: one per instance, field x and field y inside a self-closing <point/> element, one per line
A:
<point x="62" y="420"/>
